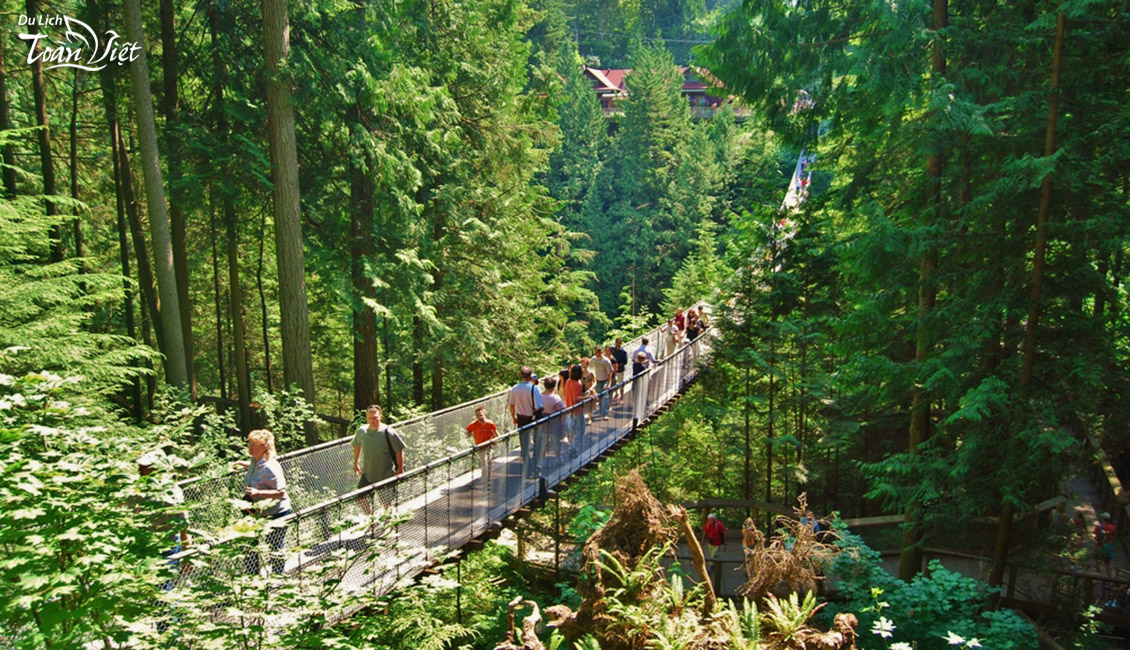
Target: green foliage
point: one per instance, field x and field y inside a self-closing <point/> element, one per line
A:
<point x="744" y="626"/>
<point x="700" y="275"/>
<point x="650" y="607"/>
<point x="285" y="413"/>
<point x="77" y="561"/>
<point x="46" y="309"/>
<point x="414" y="621"/>
<point x="587" y="521"/>
<point x="926" y="610"/>
<point x="789" y="617"/>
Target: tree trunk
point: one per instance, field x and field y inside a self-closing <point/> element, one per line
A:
<point x="123" y="183"/>
<point x="239" y="334"/>
<point x="220" y="365"/>
<point x="127" y="200"/>
<point x="235" y="290"/>
<point x="39" y="89"/>
<point x="298" y="368"/>
<point x="267" y="369"/>
<point x="145" y="278"/>
<point x="388" y="405"/>
<point x="170" y="106"/>
<point x="176" y="363"/>
<point x="7" y="153"/>
<point x="1039" y="250"/>
<point x="910" y="560"/>
<point x="417" y="365"/>
<point x="124" y="204"/>
<point x="366" y="373"/>
<point x="123" y="253"/>
<point x="79" y="248"/>
<point x="437" y="382"/>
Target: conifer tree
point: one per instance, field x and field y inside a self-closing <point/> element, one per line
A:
<point x="297" y="362"/>
<point x="176" y="363"/>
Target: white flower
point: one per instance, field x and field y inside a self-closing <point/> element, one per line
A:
<point x="902" y="645"/>
<point x="973" y="643"/>
<point x="954" y="639"/>
<point x="6" y="380"/>
<point x="884" y="627"/>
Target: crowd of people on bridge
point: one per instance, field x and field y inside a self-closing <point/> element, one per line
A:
<point x="585" y="391"/>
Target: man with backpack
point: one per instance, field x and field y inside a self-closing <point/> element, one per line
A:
<point x="1105" y="534"/>
<point x="378" y="450"/>
<point x="526" y="408"/>
<point x="714" y="534"/>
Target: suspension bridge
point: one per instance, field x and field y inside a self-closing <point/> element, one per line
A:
<point x="455" y="494"/>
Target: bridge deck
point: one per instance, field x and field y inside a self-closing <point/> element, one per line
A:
<point x="435" y="509"/>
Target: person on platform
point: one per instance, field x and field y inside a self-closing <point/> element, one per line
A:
<point x="482" y="431"/>
<point x="588" y="386"/>
<point x="265" y="486"/>
<point x="647" y="353"/>
<point x="601" y="368"/>
<point x="713" y="535"/>
<point x="378" y="450"/>
<point x="573" y="394"/>
<point x="620" y="358"/>
<point x="1105" y="535"/>
<point x="554" y="429"/>
<point x="639" y="364"/>
<point x="526" y="408"/>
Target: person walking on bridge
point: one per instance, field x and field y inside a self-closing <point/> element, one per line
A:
<point x="671" y="336"/>
<point x="482" y="430"/>
<point x="714" y="534"/>
<point x="1105" y="533"/>
<point x="573" y="395"/>
<point x="525" y="409"/>
<point x="601" y="368"/>
<point x="265" y="482"/>
<point x="378" y="450"/>
<point x="554" y="430"/>
<point x="650" y="358"/>
<point x="620" y="358"/>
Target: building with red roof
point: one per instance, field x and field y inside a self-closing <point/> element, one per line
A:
<point x="609" y="87"/>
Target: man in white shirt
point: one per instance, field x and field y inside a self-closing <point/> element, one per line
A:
<point x="525" y="409"/>
<point x="601" y="368"/>
<point x="643" y="348"/>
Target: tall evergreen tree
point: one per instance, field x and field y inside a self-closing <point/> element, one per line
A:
<point x="176" y="363"/>
<point x="297" y="362"/>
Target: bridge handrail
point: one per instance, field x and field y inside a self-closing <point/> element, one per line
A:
<point x="1114" y="496"/>
<point x="421" y="432"/>
<point x="442" y="505"/>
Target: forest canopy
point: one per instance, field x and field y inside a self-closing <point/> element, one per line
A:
<point x="910" y="221"/>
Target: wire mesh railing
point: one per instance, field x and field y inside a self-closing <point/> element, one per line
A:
<point x="315" y="474"/>
<point x="440" y="506"/>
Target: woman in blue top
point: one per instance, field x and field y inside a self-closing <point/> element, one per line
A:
<point x="264" y="481"/>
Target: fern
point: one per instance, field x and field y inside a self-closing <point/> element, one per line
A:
<point x="46" y="308"/>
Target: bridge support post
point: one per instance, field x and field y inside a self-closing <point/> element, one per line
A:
<point x="557" y="536"/>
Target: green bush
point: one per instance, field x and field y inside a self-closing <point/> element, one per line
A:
<point x="927" y="610"/>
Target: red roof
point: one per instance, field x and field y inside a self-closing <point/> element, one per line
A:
<point x="616" y="76"/>
<point x="612" y="79"/>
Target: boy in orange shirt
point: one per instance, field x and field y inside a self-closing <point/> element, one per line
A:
<point x="483" y="430"/>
